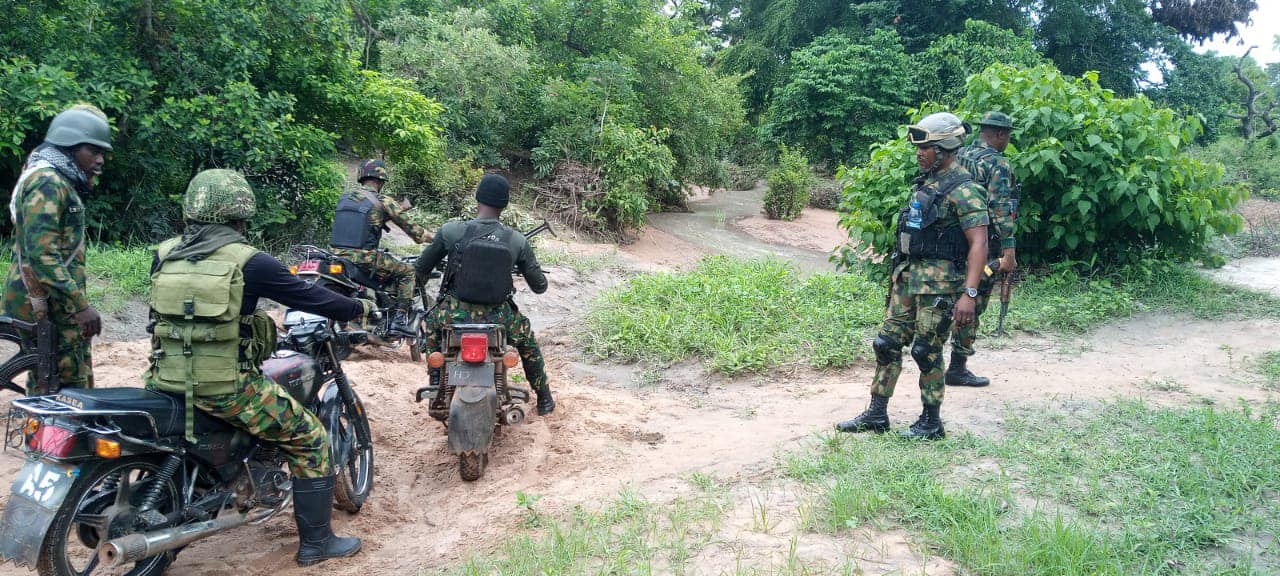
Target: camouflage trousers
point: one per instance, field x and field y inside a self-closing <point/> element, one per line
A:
<point x="74" y="361"/>
<point x="394" y="274"/>
<point x="921" y="322"/>
<point x="963" y="336"/>
<point x="267" y="411"/>
<point x="514" y="324"/>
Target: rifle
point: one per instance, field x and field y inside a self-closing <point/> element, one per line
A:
<point x="543" y="227"/>
<point x="46" y="378"/>
<point x="1006" y="290"/>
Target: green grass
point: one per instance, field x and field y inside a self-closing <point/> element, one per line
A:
<point x="581" y="264"/>
<point x="742" y="315"/>
<point x="1123" y="489"/>
<point x="115" y="274"/>
<point x="1269" y="367"/>
<point x="629" y="536"/>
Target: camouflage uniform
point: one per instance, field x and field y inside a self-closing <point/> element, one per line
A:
<point x="514" y="324"/>
<point x="923" y="293"/>
<point x="991" y="170"/>
<point x="387" y="269"/>
<point x="49" y="234"/>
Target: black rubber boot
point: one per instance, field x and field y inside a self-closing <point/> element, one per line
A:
<point x="312" y="510"/>
<point x="928" y="427"/>
<point x="958" y="375"/>
<point x="546" y="404"/>
<point x="400" y="324"/>
<point x="874" y="419"/>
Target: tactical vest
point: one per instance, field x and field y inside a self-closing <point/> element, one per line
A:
<point x="352" y="223"/>
<point x="971" y="158"/>
<point x="932" y="240"/>
<point x="479" y="270"/>
<point x="197" y="347"/>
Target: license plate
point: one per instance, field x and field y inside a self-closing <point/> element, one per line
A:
<point x="309" y="266"/>
<point x="45" y="483"/>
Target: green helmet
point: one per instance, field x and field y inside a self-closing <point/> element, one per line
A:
<point x="941" y="129"/>
<point x="373" y="169"/>
<point x="79" y="124"/>
<point x="217" y="197"/>
<point x="997" y="119"/>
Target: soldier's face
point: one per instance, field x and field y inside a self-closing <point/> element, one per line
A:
<point x="91" y="158"/>
<point x="925" y="155"/>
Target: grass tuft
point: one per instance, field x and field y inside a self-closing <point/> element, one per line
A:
<point x="115" y="274"/>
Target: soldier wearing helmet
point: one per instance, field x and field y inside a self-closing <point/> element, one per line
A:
<point x="362" y="215"/>
<point x="985" y="161"/>
<point x="208" y="281"/>
<point x="937" y="265"/>
<point x="48" y="214"/>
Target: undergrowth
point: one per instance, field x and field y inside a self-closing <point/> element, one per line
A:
<point x="115" y="274"/>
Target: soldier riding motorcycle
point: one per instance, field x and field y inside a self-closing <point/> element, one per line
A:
<point x="126" y="476"/>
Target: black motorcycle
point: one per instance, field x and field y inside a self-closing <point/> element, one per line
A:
<point x="339" y="274"/>
<point x="111" y="483"/>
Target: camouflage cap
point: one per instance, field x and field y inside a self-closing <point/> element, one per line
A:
<point x="373" y="169"/>
<point x="217" y="197"/>
<point x="997" y="119"/>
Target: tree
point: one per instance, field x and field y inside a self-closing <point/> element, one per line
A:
<point x="1259" y="105"/>
<point x="949" y="61"/>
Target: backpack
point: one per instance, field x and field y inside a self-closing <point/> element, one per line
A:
<point x="480" y="265"/>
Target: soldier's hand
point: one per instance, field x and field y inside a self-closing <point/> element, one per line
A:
<point x="370" y="308"/>
<point x="90" y="322"/>
<point x="1008" y="261"/>
<point x="963" y="311"/>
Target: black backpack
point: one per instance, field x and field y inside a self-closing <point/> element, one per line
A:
<point x="480" y="264"/>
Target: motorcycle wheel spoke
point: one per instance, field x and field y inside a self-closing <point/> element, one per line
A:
<point x="98" y="521"/>
<point x="124" y="489"/>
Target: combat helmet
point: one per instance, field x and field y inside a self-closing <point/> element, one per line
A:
<point x="996" y="119"/>
<point x="941" y="129"/>
<point x="373" y="169"/>
<point x="79" y="124"/>
<point x="218" y="196"/>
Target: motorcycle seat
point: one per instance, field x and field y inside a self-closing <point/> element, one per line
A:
<point x="168" y="410"/>
<point x="357" y="275"/>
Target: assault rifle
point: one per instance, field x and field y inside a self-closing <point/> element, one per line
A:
<point x="46" y="380"/>
<point x="1006" y="292"/>
<point x="543" y="227"/>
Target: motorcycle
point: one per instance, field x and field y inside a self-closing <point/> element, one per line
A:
<point x="111" y="484"/>
<point x="324" y="268"/>
<point x="471" y="395"/>
<point x="35" y="344"/>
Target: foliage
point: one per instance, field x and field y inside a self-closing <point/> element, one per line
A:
<point x="1109" y="37"/>
<point x="1119" y="489"/>
<point x="637" y="171"/>
<point x="949" y="61"/>
<point x="115" y="274"/>
<point x="740" y="315"/>
<point x="266" y="88"/>
<point x="1198" y="84"/>
<point x="842" y="95"/>
<point x="1104" y="179"/>
<point x="1251" y="164"/>
<point x="789" y="185"/>
<point x="457" y="60"/>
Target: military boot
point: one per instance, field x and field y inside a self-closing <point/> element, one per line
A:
<point x="312" y="510"/>
<point x="958" y="375"/>
<point x="546" y="404"/>
<point x="400" y="323"/>
<point x="874" y="419"/>
<point x="928" y="427"/>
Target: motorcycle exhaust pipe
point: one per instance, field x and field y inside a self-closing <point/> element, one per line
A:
<point x="135" y="547"/>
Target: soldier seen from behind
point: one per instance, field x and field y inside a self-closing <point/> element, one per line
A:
<point x="936" y="268"/>
<point x="48" y="214"/>
<point x="362" y="216"/>
<point x="477" y="285"/>
<point x="209" y="341"/>
<point x="985" y="161"/>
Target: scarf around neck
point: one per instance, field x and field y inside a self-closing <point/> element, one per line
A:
<point x="200" y="240"/>
<point x="62" y="161"/>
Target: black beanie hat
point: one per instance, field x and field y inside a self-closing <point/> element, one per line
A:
<point x="494" y="190"/>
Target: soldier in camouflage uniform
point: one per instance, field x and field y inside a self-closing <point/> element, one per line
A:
<point x="48" y="214"/>
<point x="231" y="386"/>
<point x="492" y="195"/>
<point x="942" y="241"/>
<point x="985" y="161"/>
<point x="362" y="215"/>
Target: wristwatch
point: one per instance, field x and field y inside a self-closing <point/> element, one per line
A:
<point x="971" y="292"/>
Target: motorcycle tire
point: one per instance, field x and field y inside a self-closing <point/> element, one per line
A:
<point x="354" y="469"/>
<point x="65" y="531"/>
<point x="415" y="346"/>
<point x="471" y="466"/>
<point x="14" y="367"/>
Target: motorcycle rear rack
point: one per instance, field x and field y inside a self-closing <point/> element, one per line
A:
<point x="51" y="407"/>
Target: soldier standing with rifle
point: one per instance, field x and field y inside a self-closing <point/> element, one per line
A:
<point x="985" y="161"/>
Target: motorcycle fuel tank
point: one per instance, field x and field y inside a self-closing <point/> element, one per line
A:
<point x="298" y="373"/>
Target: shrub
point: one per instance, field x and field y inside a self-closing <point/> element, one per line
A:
<point x="789" y="184"/>
<point x="1249" y="163"/>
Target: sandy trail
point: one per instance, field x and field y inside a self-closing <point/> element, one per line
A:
<point x="615" y="428"/>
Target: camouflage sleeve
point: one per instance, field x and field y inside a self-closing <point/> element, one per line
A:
<point x="1002" y="201"/>
<point x="392" y="208"/>
<point x="971" y="205"/>
<point x="40" y="235"/>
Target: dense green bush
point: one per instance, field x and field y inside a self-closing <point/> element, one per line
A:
<point x="1252" y="164"/>
<point x="789" y="185"/>
<point x="1104" y="179"/>
<point x="948" y="62"/>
